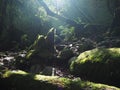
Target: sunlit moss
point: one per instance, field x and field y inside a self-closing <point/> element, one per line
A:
<point x="115" y="52"/>
<point x="29" y="54"/>
<point x="42" y="77"/>
<point x="97" y="55"/>
<point x="26" y="81"/>
<point x="40" y="38"/>
<point x="94" y="86"/>
<point x="63" y="82"/>
<point x="8" y="73"/>
<point x="99" y="65"/>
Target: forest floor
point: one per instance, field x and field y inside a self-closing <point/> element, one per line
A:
<point x="8" y="58"/>
<point x="6" y="63"/>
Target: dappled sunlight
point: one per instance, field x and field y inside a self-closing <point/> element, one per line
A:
<point x="97" y="65"/>
<point x="45" y="78"/>
<point x="59" y="44"/>
<point x="38" y="82"/>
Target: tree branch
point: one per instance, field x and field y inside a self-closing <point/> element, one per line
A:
<point x="49" y="12"/>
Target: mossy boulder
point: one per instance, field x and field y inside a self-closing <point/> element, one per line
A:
<point x="33" y="55"/>
<point x="50" y="38"/>
<point x="99" y="65"/>
<point x="40" y="48"/>
<point x="40" y="52"/>
<point x="20" y="80"/>
<point x="43" y="46"/>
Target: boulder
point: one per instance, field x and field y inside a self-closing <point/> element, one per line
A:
<point x="42" y="48"/>
<point x="40" y="52"/>
<point x="99" y="65"/>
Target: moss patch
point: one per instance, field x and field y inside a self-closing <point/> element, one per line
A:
<point x="99" y="65"/>
<point x="20" y="80"/>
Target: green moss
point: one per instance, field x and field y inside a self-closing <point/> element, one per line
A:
<point x="8" y="73"/>
<point x="20" y="80"/>
<point x="42" y="47"/>
<point x="90" y="85"/>
<point x="99" y="65"/>
<point x="98" y="55"/>
<point x="29" y="54"/>
<point x="39" y="38"/>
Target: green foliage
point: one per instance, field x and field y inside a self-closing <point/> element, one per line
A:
<point x="67" y="32"/>
<point x="20" y="80"/>
<point x="99" y="65"/>
<point x="25" y="17"/>
<point x="32" y="19"/>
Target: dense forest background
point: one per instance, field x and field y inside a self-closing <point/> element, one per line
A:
<point x="59" y="44"/>
<point x="21" y="21"/>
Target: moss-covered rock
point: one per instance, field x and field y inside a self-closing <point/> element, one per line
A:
<point x="99" y="65"/>
<point x="39" y="48"/>
<point x="43" y="47"/>
<point x="20" y="80"/>
<point x="50" y="38"/>
<point x="40" y="52"/>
